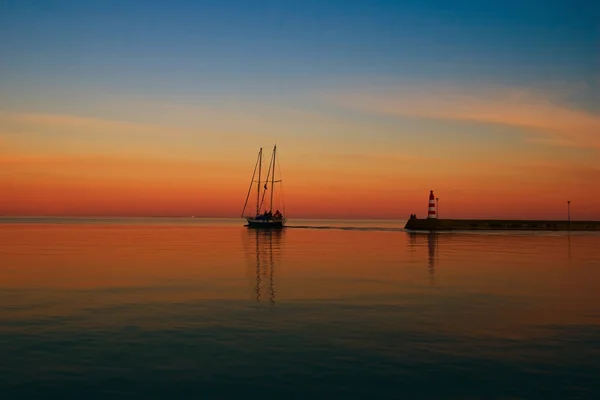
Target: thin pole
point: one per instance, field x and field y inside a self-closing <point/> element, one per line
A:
<point x="258" y="183"/>
<point x="569" y="210"/>
<point x="273" y="179"/>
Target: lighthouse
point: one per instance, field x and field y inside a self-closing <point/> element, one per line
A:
<point x="431" y="212"/>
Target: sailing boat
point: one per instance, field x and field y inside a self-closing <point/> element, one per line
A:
<point x="268" y="219"/>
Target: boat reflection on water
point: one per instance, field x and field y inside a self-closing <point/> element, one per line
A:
<point x="263" y="249"/>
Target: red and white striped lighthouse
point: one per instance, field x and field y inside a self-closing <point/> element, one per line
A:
<point x="432" y="212"/>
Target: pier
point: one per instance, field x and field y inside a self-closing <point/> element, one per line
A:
<point x="433" y="223"/>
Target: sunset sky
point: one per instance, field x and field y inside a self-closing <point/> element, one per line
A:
<point x="145" y="108"/>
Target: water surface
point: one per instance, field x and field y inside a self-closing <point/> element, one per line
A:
<point x="194" y="308"/>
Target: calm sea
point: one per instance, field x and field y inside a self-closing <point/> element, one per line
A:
<point x="200" y="308"/>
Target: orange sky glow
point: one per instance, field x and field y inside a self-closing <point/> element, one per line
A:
<point x="497" y="153"/>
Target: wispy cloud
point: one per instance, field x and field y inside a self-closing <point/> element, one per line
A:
<point x="568" y="174"/>
<point x="84" y="125"/>
<point x="41" y="133"/>
<point x="89" y="170"/>
<point x="544" y="115"/>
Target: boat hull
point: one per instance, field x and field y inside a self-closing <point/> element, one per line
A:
<point x="265" y="223"/>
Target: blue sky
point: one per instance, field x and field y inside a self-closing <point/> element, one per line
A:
<point x="236" y="46"/>
<point x="283" y="51"/>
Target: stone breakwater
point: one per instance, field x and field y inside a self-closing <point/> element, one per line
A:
<point x="498" y="224"/>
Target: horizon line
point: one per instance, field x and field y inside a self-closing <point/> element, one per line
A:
<point x="299" y="218"/>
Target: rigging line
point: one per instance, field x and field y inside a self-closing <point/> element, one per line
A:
<point x="267" y="181"/>
<point x="250" y="188"/>
<point x="258" y="183"/>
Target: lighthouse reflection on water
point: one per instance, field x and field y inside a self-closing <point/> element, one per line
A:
<point x="432" y="238"/>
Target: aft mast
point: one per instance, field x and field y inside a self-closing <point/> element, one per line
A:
<point x="273" y="179"/>
<point x="258" y="182"/>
